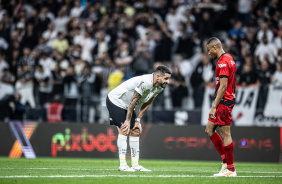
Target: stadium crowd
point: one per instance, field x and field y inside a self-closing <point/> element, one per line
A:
<point x="78" y="50"/>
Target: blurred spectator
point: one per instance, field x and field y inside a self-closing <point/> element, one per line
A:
<point x="46" y="62"/>
<point x="26" y="59"/>
<point x="248" y="76"/>
<point x="185" y="44"/>
<point x="3" y="64"/>
<point x="265" y="50"/>
<point x="201" y="76"/>
<point x="60" y="43"/>
<point x="61" y="61"/>
<point x="115" y="78"/>
<point x="43" y="20"/>
<point x="17" y="108"/>
<point x="101" y="46"/>
<point x="237" y="32"/>
<point x="43" y="78"/>
<point x="42" y="47"/>
<point x="178" y="88"/>
<point x="71" y="94"/>
<point x="206" y="26"/>
<point x="7" y="77"/>
<point x="50" y="34"/>
<point x="185" y="67"/>
<point x="79" y="65"/>
<point x="87" y="44"/>
<point x="24" y="86"/>
<point x="29" y="39"/>
<point x="278" y="44"/>
<point x="162" y="51"/>
<point x="77" y="9"/>
<point x="61" y="20"/>
<point x="265" y="32"/>
<point x="57" y="80"/>
<point x="142" y="60"/>
<point x="123" y="57"/>
<point x="244" y="8"/>
<point x="251" y="39"/>
<point x="174" y="19"/>
<point x="277" y="76"/>
<point x="108" y="68"/>
<point x="55" y="110"/>
<point x="264" y="76"/>
<point x="90" y="99"/>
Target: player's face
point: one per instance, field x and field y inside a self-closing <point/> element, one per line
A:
<point x="212" y="51"/>
<point x="163" y="80"/>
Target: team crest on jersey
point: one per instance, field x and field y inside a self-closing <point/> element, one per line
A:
<point x="143" y="88"/>
<point x="221" y="65"/>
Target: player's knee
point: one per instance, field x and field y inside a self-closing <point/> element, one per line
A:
<point x="122" y="132"/>
<point x="135" y="132"/>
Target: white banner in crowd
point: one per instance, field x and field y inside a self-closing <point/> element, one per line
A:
<point x="244" y="110"/>
<point x="273" y="105"/>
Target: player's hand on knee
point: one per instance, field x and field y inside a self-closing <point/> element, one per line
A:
<point x="125" y="127"/>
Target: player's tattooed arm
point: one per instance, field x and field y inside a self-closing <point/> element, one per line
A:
<point x="136" y="96"/>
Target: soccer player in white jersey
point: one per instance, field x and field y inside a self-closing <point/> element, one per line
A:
<point x="122" y="102"/>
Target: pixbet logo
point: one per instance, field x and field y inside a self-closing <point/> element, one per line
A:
<point x="221" y="65"/>
<point x="83" y="142"/>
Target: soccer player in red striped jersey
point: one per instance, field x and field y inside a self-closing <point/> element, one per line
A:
<point x="220" y="113"/>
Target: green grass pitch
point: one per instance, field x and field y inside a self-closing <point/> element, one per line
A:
<point x="73" y="171"/>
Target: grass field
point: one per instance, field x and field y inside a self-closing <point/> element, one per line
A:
<point x="73" y="171"/>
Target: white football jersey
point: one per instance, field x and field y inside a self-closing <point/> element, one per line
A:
<point x="122" y="94"/>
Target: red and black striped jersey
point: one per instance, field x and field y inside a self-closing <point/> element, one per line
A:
<point x="226" y="67"/>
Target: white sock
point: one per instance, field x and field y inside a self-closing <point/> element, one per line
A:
<point x="134" y="147"/>
<point x="122" y="148"/>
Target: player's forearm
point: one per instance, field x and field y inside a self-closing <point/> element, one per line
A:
<point x="136" y="96"/>
<point x="130" y="110"/>
<point x="219" y="96"/>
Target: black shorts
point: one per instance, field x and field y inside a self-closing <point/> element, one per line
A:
<point x="118" y="115"/>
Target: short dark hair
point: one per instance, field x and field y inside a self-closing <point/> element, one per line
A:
<point x="162" y="69"/>
<point x="213" y="40"/>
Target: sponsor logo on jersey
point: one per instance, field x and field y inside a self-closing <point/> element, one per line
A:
<point x="232" y="63"/>
<point x="139" y="85"/>
<point x="221" y="65"/>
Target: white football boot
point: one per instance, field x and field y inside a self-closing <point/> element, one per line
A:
<point x="140" y="168"/>
<point x="227" y="173"/>
<point x="125" y="168"/>
<point x="223" y="168"/>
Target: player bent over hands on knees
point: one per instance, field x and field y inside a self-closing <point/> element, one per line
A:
<point x="121" y="103"/>
<point x="220" y="113"/>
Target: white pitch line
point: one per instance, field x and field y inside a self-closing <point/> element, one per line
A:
<point x="71" y="169"/>
<point x="129" y="176"/>
<point x="82" y="169"/>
